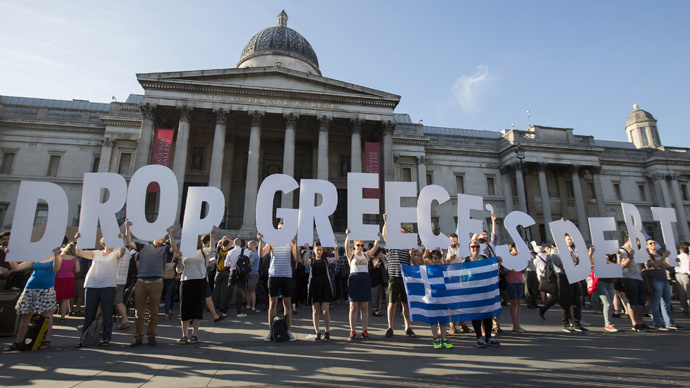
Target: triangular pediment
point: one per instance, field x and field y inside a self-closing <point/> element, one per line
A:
<point x="277" y="81"/>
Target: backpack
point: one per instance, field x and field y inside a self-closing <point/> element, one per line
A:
<point x="220" y="259"/>
<point x="279" y="330"/>
<point x="35" y="334"/>
<point x="93" y="334"/>
<point x="243" y="265"/>
<point x="264" y="265"/>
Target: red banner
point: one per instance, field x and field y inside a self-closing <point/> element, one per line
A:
<point x="162" y="146"/>
<point x="372" y="163"/>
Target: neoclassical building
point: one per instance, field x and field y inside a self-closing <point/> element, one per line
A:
<point x="276" y="113"/>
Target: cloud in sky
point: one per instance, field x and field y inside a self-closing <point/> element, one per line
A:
<point x="469" y="88"/>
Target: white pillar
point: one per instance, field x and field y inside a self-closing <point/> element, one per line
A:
<point x="579" y="203"/>
<point x="545" y="199"/>
<point x="356" y="145"/>
<point x="218" y="151"/>
<point x="421" y="172"/>
<point x="289" y="154"/>
<point x="680" y="209"/>
<point x="598" y="191"/>
<point x="388" y="169"/>
<point x="522" y="200"/>
<point x="324" y="123"/>
<point x="226" y="181"/>
<point x="142" y="155"/>
<point x="180" y="160"/>
<point x="106" y="154"/>
<point x="252" y="182"/>
<point x="507" y="188"/>
<point x="664" y="191"/>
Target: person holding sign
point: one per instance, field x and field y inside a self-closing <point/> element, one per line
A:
<point x="484" y="323"/>
<point x="359" y="289"/>
<point x="320" y="296"/>
<point x="661" y="299"/>
<point x="436" y="258"/>
<point x="38" y="296"/>
<point x="100" y="285"/>
<point x="149" y="286"/>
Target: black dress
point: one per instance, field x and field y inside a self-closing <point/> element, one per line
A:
<point x="319" y="283"/>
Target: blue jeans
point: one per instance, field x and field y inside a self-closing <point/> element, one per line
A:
<point x="105" y="297"/>
<point x="662" y="296"/>
<point x="168" y="288"/>
<point x="606" y="293"/>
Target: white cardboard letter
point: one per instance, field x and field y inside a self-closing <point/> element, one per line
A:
<point x="582" y="270"/>
<point x="264" y="210"/>
<point x="511" y="222"/>
<point x="357" y="205"/>
<point x="467" y="225"/>
<point x="21" y="248"/>
<point x="193" y="226"/>
<point x="665" y="216"/>
<point x="310" y="215"/>
<point x="602" y="247"/>
<point x="93" y="210"/>
<point x="428" y="195"/>
<point x="397" y="215"/>
<point x="633" y="223"/>
<point x="136" y="201"/>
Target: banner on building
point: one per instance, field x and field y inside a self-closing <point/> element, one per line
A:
<point x="160" y="154"/>
<point x="453" y="292"/>
<point x="372" y="165"/>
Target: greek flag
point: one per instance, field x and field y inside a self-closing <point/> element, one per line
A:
<point x="453" y="292"/>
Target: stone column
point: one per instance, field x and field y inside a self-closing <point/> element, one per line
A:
<point x="545" y="199"/>
<point x="680" y="208"/>
<point x="106" y="154"/>
<point x="658" y="181"/>
<point x="252" y="182"/>
<point x="356" y="145"/>
<point x="142" y="155"/>
<point x="522" y="200"/>
<point x="216" y="173"/>
<point x="228" y="165"/>
<point x="664" y="190"/>
<point x="507" y="188"/>
<point x="180" y="161"/>
<point x="598" y="191"/>
<point x="289" y="154"/>
<point x="579" y="203"/>
<point x="388" y="168"/>
<point x="324" y="123"/>
<point x="421" y="172"/>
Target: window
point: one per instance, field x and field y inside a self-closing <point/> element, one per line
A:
<point x="125" y="162"/>
<point x="407" y="174"/>
<point x="649" y="230"/>
<point x="96" y="162"/>
<point x="41" y="218"/>
<point x="435" y="225"/>
<point x="490" y="186"/>
<point x="570" y="191"/>
<point x="645" y="139"/>
<point x="3" y="211"/>
<point x="460" y="184"/>
<point x="684" y="190"/>
<point x="429" y="179"/>
<point x="643" y="193"/>
<point x="53" y="165"/>
<point x="7" y="162"/>
<point x="617" y="191"/>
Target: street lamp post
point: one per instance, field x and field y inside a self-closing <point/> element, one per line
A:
<point x="520" y="154"/>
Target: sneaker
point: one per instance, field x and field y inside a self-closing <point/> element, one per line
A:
<point x="480" y="342"/>
<point x="353" y="336"/>
<point x="662" y="328"/>
<point x="446" y="344"/>
<point x="580" y="329"/>
<point x="437" y="343"/>
<point x="672" y="327"/>
<point x="389" y="333"/>
<point x="494" y="343"/>
<point x="223" y="315"/>
<point x="291" y="337"/>
<point x="242" y="315"/>
<point x="318" y="337"/>
<point x="616" y="315"/>
<point x="269" y="337"/>
<point x="610" y="328"/>
<point x="568" y="329"/>
<point x="327" y="337"/>
<point x="365" y="335"/>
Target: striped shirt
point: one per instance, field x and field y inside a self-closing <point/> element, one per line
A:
<point x="281" y="262"/>
<point x="396" y="258"/>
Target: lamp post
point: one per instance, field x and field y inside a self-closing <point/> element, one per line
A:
<point x="520" y="154"/>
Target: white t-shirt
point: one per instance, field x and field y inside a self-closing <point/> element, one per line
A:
<point x="103" y="271"/>
<point x="194" y="267"/>
<point x="359" y="263"/>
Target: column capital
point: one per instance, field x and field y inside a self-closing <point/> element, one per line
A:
<point x="186" y="113"/>
<point x="222" y="116"/>
<point x="672" y="177"/>
<point x="595" y="170"/>
<point x="107" y="141"/>
<point x="656" y="176"/>
<point x="147" y="111"/>
<point x="355" y="125"/>
<point x="324" y="122"/>
<point x="516" y="165"/>
<point x="290" y="119"/>
<point x="388" y="127"/>
<point x="256" y="117"/>
<point x="574" y="168"/>
<point x="396" y="157"/>
<point x="506" y="169"/>
<point x="541" y="166"/>
<point x="421" y="159"/>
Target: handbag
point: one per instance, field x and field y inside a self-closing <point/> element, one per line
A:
<point x="549" y="283"/>
<point x="169" y="270"/>
<point x="592" y="282"/>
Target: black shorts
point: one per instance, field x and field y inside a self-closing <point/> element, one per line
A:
<point x="396" y="290"/>
<point x="280" y="286"/>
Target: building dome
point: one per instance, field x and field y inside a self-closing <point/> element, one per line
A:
<point x="280" y="46"/>
<point x="639" y="116"/>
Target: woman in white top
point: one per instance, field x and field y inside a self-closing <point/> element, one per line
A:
<point x="193" y="287"/>
<point x="100" y="285"/>
<point x="359" y="289"/>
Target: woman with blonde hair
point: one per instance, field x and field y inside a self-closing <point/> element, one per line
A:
<point x="359" y="289"/>
<point x="65" y="284"/>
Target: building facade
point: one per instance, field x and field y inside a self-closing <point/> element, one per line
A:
<point x="276" y="113"/>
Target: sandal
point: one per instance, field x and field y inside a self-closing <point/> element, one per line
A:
<point x="45" y="345"/>
<point x="410" y="333"/>
<point x="79" y="345"/>
<point x="14" y="346"/>
<point x="183" y="341"/>
<point x="104" y="344"/>
<point x="193" y="340"/>
<point x="62" y="320"/>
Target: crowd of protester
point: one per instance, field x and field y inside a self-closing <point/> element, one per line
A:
<point x="253" y="276"/>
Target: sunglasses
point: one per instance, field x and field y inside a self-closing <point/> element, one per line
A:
<point x="474" y="246"/>
<point x="360" y="245"/>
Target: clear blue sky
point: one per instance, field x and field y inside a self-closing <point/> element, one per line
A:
<point x="463" y="64"/>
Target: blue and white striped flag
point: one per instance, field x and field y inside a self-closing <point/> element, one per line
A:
<point x="453" y="292"/>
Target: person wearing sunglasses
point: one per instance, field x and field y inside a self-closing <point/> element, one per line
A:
<point x="484" y="323"/>
<point x="359" y="287"/>
<point x="660" y="301"/>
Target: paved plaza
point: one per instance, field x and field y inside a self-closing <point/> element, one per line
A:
<point x="233" y="353"/>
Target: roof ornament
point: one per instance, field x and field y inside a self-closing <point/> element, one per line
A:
<point x="635" y="107"/>
<point x="282" y="19"/>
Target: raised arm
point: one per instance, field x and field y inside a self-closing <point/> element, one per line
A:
<point x="83" y="253"/>
<point x="263" y="249"/>
<point x="173" y="245"/>
<point x="348" y="252"/>
<point x="128" y="235"/>
<point x="57" y="259"/>
<point x="373" y="249"/>
<point x="383" y="231"/>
